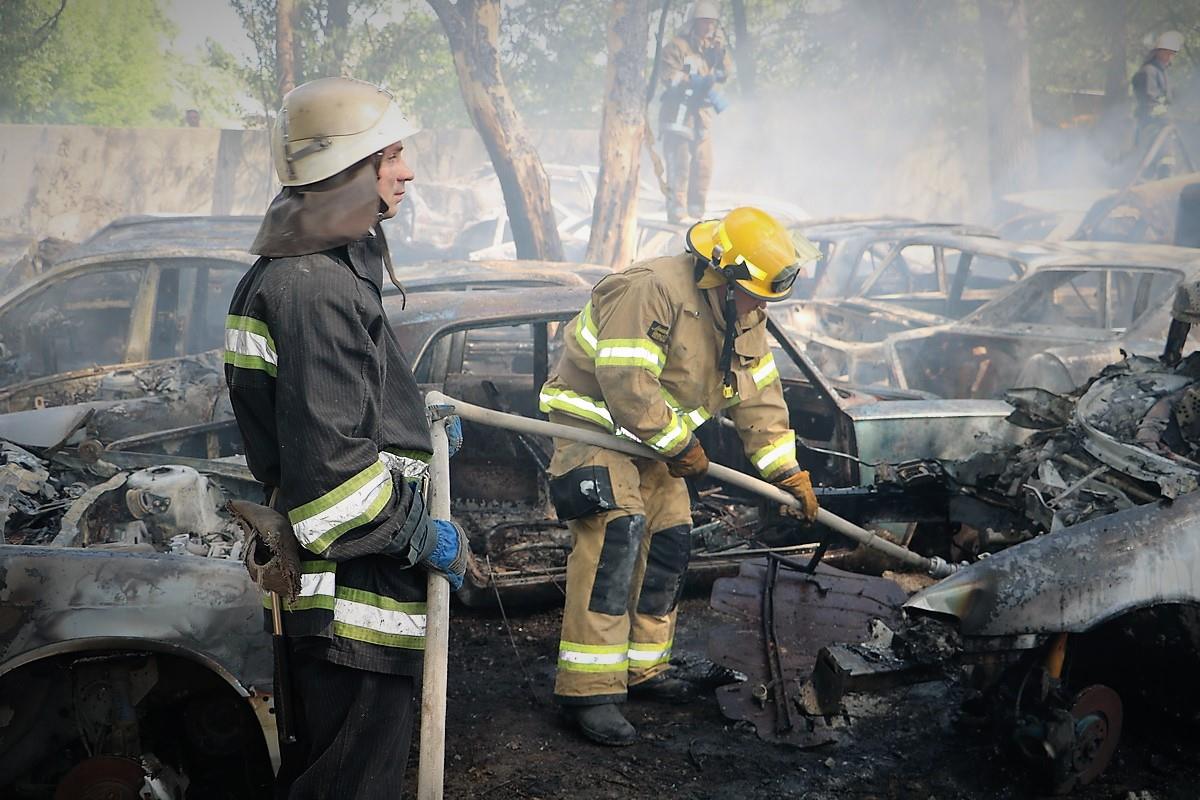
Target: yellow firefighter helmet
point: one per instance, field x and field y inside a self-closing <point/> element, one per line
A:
<point x="751" y="248"/>
<point x="330" y="124"/>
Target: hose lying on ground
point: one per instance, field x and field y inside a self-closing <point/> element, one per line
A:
<point x="934" y="566"/>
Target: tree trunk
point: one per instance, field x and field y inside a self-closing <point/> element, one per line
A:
<point x="285" y="51"/>
<point x="743" y="51"/>
<point x="1116" y="81"/>
<point x="1012" y="155"/>
<point x="614" y="215"/>
<point x="337" y="33"/>
<point x="473" y="30"/>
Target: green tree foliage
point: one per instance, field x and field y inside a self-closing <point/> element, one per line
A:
<point x="96" y="62"/>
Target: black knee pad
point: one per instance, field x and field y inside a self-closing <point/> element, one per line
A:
<point x="582" y="491"/>
<point x="614" y="572"/>
<point x="670" y="551"/>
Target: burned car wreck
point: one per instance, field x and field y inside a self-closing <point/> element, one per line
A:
<point x="1082" y="580"/>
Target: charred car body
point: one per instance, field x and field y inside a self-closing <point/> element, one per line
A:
<point x="1104" y="298"/>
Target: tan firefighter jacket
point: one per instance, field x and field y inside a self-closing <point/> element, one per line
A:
<point x="642" y="360"/>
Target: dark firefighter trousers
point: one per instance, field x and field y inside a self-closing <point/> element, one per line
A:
<point x="354" y="728"/>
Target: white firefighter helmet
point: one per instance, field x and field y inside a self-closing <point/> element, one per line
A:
<point x="330" y="124"/>
<point x="1169" y="40"/>
<point x="706" y="9"/>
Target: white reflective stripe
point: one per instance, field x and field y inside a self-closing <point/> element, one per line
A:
<point x="353" y="505"/>
<point x="764" y="371"/>
<point x="648" y="655"/>
<point x="575" y="401"/>
<point x="623" y="351"/>
<point x="248" y="343"/>
<point x="313" y="584"/>
<point x="697" y="417"/>
<point x="397" y="623"/>
<point x="575" y="657"/>
<point x="778" y="451"/>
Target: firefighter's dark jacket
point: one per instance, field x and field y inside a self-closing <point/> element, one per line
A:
<point x="324" y="400"/>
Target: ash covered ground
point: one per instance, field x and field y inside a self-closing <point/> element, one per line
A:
<point x="506" y="739"/>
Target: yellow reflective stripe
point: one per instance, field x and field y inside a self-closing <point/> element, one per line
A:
<point x="631" y="353"/>
<point x="765" y="371"/>
<point x="320" y="522"/>
<point x="778" y="455"/>
<point x="576" y="405"/>
<point x="694" y="418"/>
<point x="585" y="331"/>
<point x="670" y="436"/>
<point x="576" y="657"/>
<point x="248" y="344"/>
<point x="649" y="655"/>
<point x="358" y="614"/>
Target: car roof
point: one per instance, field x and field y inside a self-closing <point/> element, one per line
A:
<point x="417" y="321"/>
<point x="147" y="232"/>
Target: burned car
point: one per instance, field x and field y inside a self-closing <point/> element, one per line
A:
<point x="852" y="250"/>
<point x="1102" y="297"/>
<point x="924" y="280"/>
<point x="113" y="317"/>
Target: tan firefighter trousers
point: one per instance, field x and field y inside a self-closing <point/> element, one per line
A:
<point x="630" y="523"/>
<point x="689" y="164"/>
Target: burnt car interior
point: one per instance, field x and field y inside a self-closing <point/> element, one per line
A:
<point x="123" y="313"/>
<point x="1054" y="303"/>
<point x="940" y="280"/>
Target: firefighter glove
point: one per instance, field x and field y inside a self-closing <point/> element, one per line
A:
<point x="799" y="485"/>
<point x="449" y="555"/>
<point x="692" y="460"/>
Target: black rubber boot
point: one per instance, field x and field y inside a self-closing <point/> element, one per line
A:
<point x="604" y="724"/>
<point x="663" y="688"/>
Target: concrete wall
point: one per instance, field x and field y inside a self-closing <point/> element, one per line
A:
<point x="67" y="181"/>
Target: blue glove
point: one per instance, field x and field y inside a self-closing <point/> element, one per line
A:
<point x="718" y="101"/>
<point x="454" y="434"/>
<point x="449" y="555"/>
<point x="700" y="84"/>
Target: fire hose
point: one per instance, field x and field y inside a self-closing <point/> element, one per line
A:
<point x="934" y="566"/>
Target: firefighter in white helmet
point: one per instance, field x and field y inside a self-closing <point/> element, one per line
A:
<point x="1152" y="88"/>
<point x="659" y="350"/>
<point x="334" y="427"/>
<point x="695" y="66"/>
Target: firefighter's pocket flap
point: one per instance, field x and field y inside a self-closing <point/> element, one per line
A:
<point x="751" y="345"/>
<point x="582" y="491"/>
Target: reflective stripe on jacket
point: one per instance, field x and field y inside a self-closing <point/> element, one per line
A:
<point x="324" y="399"/>
<point x="642" y="360"/>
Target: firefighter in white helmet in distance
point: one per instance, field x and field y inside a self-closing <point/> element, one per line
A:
<point x="334" y="427"/>
<point x="660" y="348"/>
<point x="695" y="67"/>
<point x="1152" y="88"/>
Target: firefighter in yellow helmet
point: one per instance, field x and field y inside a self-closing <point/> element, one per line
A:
<point x="660" y="349"/>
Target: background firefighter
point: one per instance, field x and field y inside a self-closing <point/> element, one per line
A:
<point x="658" y="350"/>
<point x="332" y="419"/>
<point x="694" y="65"/>
<point x="1152" y="100"/>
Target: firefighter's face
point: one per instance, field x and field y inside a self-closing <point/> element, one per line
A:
<point x="746" y="302"/>
<point x="704" y="28"/>
<point x="394" y="174"/>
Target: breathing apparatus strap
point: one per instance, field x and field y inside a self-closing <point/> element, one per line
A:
<point x="727" y="346"/>
<point x="729" y="310"/>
